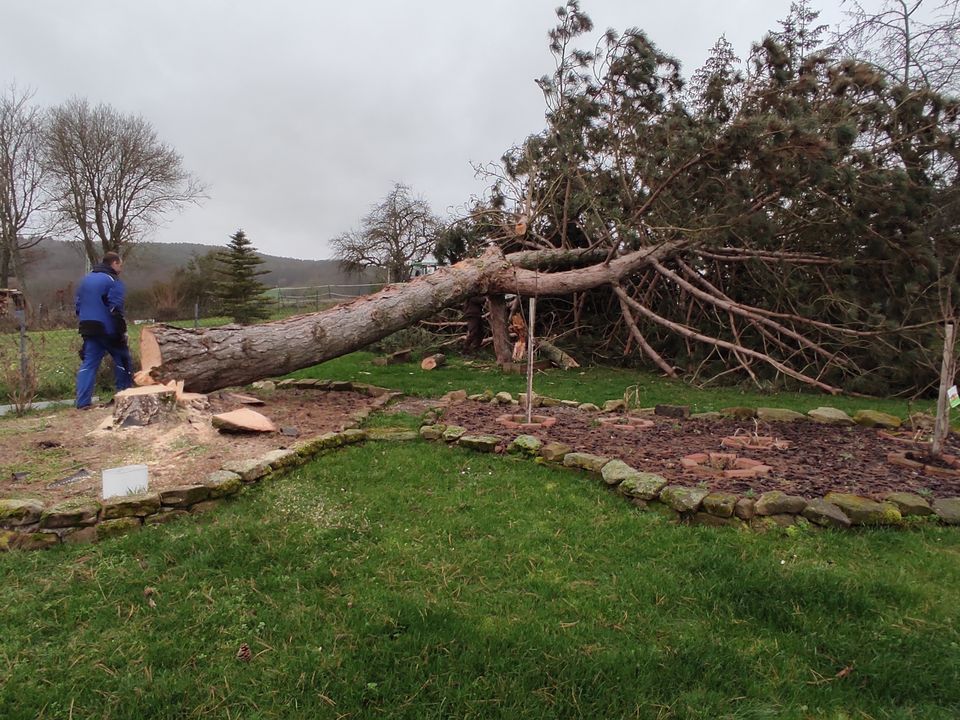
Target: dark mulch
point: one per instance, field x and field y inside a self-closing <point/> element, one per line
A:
<point x="821" y="458"/>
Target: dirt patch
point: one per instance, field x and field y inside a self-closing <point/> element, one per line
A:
<point x="60" y="454"/>
<point x="819" y="458"/>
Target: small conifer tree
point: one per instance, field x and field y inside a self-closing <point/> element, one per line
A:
<point x="240" y="293"/>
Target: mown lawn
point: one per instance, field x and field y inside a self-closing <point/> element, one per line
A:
<point x="419" y="581"/>
<point x="593" y="384"/>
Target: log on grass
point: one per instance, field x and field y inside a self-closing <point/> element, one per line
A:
<point x="219" y="357"/>
<point x="557" y="356"/>
<point x="431" y="362"/>
<point x="394" y="358"/>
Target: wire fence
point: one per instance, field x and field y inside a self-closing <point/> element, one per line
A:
<point x="39" y="363"/>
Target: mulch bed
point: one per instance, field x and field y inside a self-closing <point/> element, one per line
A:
<point x="820" y="459"/>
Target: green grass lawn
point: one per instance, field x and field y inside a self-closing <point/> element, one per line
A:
<point x="57" y="364"/>
<point x="419" y="581"/>
<point x="593" y="384"/>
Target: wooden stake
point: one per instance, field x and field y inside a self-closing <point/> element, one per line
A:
<point x="942" y="427"/>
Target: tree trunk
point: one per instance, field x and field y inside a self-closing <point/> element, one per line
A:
<point x="434" y="361"/>
<point x="557" y="356"/>
<point x="942" y="427"/>
<point x="4" y="266"/>
<point x="502" y="349"/>
<point x="214" y="358"/>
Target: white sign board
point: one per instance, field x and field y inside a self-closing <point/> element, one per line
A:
<point x="126" y="480"/>
<point x="953" y="396"/>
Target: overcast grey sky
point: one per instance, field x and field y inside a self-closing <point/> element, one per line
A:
<point x="299" y="115"/>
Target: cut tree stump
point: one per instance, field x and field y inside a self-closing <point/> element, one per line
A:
<point x="144" y="405"/>
<point x="243" y="420"/>
<point x="395" y="358"/>
<point x="433" y="361"/>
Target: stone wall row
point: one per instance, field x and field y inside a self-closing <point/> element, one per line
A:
<point x="27" y="524"/>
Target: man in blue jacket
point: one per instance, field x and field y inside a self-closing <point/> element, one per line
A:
<point x="103" y="328"/>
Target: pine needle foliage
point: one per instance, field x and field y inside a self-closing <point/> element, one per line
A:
<point x="241" y="294"/>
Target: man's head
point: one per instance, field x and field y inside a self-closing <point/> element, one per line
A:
<point x="113" y="260"/>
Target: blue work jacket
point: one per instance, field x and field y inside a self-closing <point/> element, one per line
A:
<point x="100" y="303"/>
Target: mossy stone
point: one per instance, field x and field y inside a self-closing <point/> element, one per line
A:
<point x="525" y="445"/>
<point x="739" y="413"/>
<point x="617" y="471"/>
<point x="643" y="486"/>
<point x="683" y="499"/>
<point x="830" y="416"/>
<point x="16" y="513"/>
<point x="555" y="451"/>
<point x="874" y="418"/>
<point x="184" y="495"/>
<point x="249" y="470"/>
<point x="909" y="503"/>
<point x="480" y="443"/>
<point x="117" y="527"/>
<point x="432" y="432"/>
<point x="452" y="433"/>
<point x="948" y="510"/>
<point x="70" y="513"/>
<point x="720" y="504"/>
<point x="222" y="483"/>
<point x="864" y="511"/>
<point x="780" y="415"/>
<point x="130" y="506"/>
<point x="280" y="458"/>
<point x="826" y="514"/>
<point x="777" y="502"/>
<point x="585" y="461"/>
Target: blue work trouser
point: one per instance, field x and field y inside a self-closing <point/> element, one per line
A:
<point x="94" y="348"/>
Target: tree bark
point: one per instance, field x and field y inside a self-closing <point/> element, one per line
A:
<point x="214" y="358"/>
<point x="498" y="329"/>
<point x="947" y="371"/>
<point x="434" y="361"/>
<point x="557" y="356"/>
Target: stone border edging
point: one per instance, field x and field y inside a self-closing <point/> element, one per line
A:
<point x="28" y="525"/>
<point x="701" y="506"/>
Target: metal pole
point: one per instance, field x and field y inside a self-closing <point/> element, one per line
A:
<point x="530" y="335"/>
<point x="196" y="314"/>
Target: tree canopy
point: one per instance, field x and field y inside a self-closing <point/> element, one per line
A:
<point x="111" y="176"/>
<point x="810" y="204"/>
<point x="398" y="231"/>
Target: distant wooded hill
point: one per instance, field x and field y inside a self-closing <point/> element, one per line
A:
<point x="54" y="265"/>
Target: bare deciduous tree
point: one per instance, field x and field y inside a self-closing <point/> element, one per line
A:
<point x="22" y="197"/>
<point x="397" y="232"/>
<point x="915" y="42"/>
<point x="111" y="175"/>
